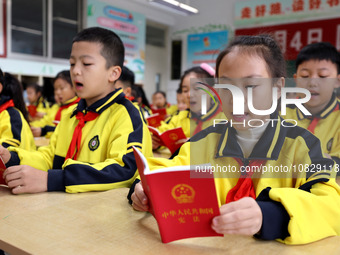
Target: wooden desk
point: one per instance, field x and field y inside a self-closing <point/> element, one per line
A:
<point x="104" y="223"/>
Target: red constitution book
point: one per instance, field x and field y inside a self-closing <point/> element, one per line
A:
<point x="154" y="120"/>
<point x="182" y="205"/>
<point x="162" y="112"/>
<point x="172" y="138"/>
<point x="2" y="169"/>
<point x="32" y="110"/>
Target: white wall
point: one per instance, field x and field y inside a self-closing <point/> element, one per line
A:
<point x="157" y="60"/>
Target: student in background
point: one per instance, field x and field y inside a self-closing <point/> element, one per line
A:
<point x="181" y="99"/>
<point x="125" y="82"/>
<point x="14" y="129"/>
<point x="159" y="101"/>
<point x="38" y="106"/>
<point x="139" y="96"/>
<point x="268" y="204"/>
<point x="91" y="148"/>
<point x="191" y="119"/>
<point x="66" y="96"/>
<point x="318" y="70"/>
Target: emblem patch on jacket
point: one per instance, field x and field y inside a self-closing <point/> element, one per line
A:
<point x="329" y="144"/>
<point x="94" y="143"/>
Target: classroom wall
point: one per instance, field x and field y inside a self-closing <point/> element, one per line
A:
<point x="212" y="13"/>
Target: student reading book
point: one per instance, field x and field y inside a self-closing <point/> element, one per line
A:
<point x="318" y="70"/>
<point x="272" y="180"/>
<point x="192" y="120"/>
<point x="183" y="206"/>
<point x="172" y="138"/>
<point x="91" y="148"/>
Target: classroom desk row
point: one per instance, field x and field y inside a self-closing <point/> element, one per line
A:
<point x="104" y="223"/>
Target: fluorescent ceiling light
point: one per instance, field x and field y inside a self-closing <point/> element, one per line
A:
<point x="175" y="6"/>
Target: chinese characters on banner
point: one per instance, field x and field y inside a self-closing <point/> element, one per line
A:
<point x="294" y="36"/>
<point x="2" y="28"/>
<point x="204" y="48"/>
<point x="130" y="26"/>
<point x="248" y="13"/>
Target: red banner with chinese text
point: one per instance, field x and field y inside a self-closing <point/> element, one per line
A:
<point x="294" y="36"/>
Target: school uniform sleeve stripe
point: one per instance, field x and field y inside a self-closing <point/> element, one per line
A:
<point x="16" y="123"/>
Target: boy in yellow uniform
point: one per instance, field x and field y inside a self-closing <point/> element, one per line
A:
<point x="91" y="148"/>
<point x="318" y="70"/>
<point x="274" y="181"/>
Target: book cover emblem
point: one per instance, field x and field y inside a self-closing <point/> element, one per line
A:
<point x="183" y="193"/>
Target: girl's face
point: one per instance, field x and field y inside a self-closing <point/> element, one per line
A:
<point x="63" y="91"/>
<point x="182" y="103"/>
<point x="193" y="93"/>
<point x="32" y="95"/>
<point x="246" y="71"/>
<point x="159" y="101"/>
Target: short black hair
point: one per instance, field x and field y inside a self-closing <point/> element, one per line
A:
<point x="127" y="77"/>
<point x="319" y="51"/>
<point x="112" y="46"/>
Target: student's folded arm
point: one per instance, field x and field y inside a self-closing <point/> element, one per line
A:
<point x="10" y="129"/>
<point x="41" y="159"/>
<point x="118" y="168"/>
<point x="313" y="214"/>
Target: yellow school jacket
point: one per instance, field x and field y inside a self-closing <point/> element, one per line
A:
<point x="43" y="105"/>
<point x="105" y="160"/>
<point x="14" y="129"/>
<point x="327" y="128"/>
<point x="191" y="123"/>
<point x="299" y="205"/>
<point x="47" y="122"/>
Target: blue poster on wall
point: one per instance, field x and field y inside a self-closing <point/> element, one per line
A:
<point x="130" y="26"/>
<point x="204" y="48"/>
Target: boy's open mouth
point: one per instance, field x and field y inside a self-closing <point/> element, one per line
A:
<point x="78" y="84"/>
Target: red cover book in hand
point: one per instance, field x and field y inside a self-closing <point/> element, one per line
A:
<point x="162" y="112"/>
<point x="183" y="206"/>
<point x="2" y="169"/>
<point x="32" y="109"/>
<point x="172" y="138"/>
<point x="154" y="120"/>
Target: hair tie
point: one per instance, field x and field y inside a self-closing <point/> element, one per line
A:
<point x="208" y="69"/>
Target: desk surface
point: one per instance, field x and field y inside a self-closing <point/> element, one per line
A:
<point x="104" y="223"/>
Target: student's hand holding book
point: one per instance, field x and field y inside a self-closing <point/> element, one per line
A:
<point x="140" y="201"/>
<point x="23" y="178"/>
<point x="241" y="217"/>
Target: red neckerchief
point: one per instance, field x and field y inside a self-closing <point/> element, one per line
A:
<point x="63" y="107"/>
<point x="6" y="105"/>
<point x="244" y="186"/>
<point x="73" y="150"/>
<point x="315" y="120"/>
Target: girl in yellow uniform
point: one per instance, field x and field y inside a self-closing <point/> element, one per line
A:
<point x="271" y="178"/>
